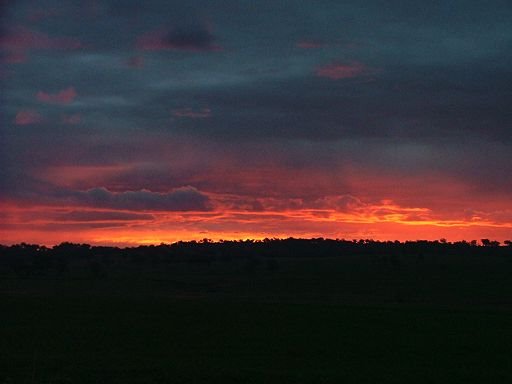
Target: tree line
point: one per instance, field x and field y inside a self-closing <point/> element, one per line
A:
<point x="32" y="259"/>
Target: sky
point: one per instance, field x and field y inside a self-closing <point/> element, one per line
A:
<point x="139" y="122"/>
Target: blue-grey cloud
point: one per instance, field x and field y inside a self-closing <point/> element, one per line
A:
<point x="180" y="199"/>
<point x="190" y="37"/>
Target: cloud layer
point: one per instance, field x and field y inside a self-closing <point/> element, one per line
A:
<point x="285" y="118"/>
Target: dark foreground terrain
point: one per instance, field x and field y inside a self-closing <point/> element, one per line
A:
<point x="272" y="312"/>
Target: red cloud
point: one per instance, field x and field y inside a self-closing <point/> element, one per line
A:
<point x="337" y="71"/>
<point x="65" y="96"/>
<point x="190" y="113"/>
<point x="27" y="116"/>
<point x="152" y="41"/>
<point x="19" y="40"/>
<point x="309" y="44"/>
<point x="24" y="38"/>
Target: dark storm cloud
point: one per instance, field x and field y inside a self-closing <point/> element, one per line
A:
<point x="185" y="38"/>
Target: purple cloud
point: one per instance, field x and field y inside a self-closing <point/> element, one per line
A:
<point x="337" y="71"/>
<point x="19" y="40"/>
<point x="65" y="96"/>
<point x="27" y="116"/>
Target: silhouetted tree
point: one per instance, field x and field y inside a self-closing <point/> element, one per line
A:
<point x="490" y="243"/>
<point x="27" y="260"/>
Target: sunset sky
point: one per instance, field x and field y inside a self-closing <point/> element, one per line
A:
<point x="135" y="122"/>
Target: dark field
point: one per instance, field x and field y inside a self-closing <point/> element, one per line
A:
<point x="364" y="318"/>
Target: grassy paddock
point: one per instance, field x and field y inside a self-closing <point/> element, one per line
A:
<point x="302" y="321"/>
<point x="135" y="341"/>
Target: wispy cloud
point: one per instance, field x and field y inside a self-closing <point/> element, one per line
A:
<point x="309" y="44"/>
<point x="338" y="70"/>
<point x="192" y="113"/>
<point x="95" y="215"/>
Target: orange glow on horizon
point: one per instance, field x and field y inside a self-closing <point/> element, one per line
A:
<point x="50" y="225"/>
